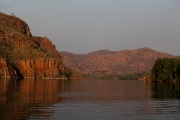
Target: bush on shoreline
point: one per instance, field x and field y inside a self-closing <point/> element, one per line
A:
<point x="166" y="69"/>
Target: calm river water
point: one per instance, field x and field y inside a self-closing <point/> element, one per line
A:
<point x="88" y="100"/>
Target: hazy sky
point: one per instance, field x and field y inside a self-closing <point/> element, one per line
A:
<point x="83" y="26"/>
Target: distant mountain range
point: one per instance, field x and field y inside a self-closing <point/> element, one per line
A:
<point x="113" y="62"/>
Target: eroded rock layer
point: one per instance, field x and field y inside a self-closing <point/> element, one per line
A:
<point x="25" y="56"/>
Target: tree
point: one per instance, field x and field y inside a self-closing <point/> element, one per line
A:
<point x="166" y="69"/>
<point x="13" y="14"/>
<point x="178" y="72"/>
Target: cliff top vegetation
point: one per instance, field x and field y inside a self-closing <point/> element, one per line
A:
<point x="17" y="43"/>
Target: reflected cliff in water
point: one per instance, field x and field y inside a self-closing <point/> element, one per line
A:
<point x="51" y="99"/>
<point x="18" y="98"/>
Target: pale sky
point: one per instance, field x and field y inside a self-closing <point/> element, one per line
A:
<point x="83" y="26"/>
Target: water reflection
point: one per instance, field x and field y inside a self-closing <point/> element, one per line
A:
<point x="87" y="99"/>
<point x="167" y="96"/>
<point x="165" y="90"/>
<point x="20" y="99"/>
<point x="107" y="91"/>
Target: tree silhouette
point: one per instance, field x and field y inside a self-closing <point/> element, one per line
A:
<point x="166" y="69"/>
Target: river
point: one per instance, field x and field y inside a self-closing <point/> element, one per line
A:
<point x="88" y="100"/>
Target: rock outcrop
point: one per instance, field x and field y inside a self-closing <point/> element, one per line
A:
<point x="113" y="62"/>
<point x="25" y="56"/>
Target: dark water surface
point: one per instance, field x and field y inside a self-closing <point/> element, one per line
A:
<point x="88" y="100"/>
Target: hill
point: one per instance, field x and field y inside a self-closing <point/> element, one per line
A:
<point x="105" y="62"/>
<point x="25" y="56"/>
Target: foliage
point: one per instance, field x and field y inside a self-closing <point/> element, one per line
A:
<point x="132" y="76"/>
<point x="91" y="76"/>
<point x="127" y="76"/>
<point x="68" y="73"/>
<point x="166" y="69"/>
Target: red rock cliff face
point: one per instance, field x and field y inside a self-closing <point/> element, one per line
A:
<point x="45" y="68"/>
<point x="47" y="44"/>
<point x="4" y="73"/>
<point x="25" y="56"/>
<point x="15" y="23"/>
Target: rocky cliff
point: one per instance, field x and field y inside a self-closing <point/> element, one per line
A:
<point x="113" y="62"/>
<point x="25" y="56"/>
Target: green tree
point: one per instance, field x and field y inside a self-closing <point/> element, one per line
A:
<point x="165" y="69"/>
<point x="178" y="72"/>
<point x="68" y="73"/>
